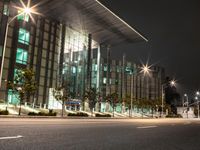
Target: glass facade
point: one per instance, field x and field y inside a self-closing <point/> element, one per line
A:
<point x="24" y="36"/>
<point x="75" y="58"/>
<point x="21" y="56"/>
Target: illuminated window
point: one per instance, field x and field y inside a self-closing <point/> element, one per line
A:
<point x="94" y="67"/>
<point x="105" y="68"/>
<point x="21" y="56"/>
<point x="118" y="68"/>
<point x="5" y="10"/>
<point x="24" y="36"/>
<point x="104" y="80"/>
<point x="16" y="72"/>
<point x="13" y="97"/>
<point x="128" y="70"/>
<point x="73" y="70"/>
<point x="17" y="76"/>
<point x="23" y="16"/>
<point x="1" y="50"/>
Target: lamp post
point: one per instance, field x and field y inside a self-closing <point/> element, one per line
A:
<point x="197" y="98"/>
<point x="19" y="89"/>
<point x="145" y="69"/>
<point x="162" y="97"/>
<point x="24" y="10"/>
<point x="186" y="96"/>
<point x="132" y="94"/>
<point x="172" y="83"/>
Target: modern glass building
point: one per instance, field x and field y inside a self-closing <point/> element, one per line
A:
<point x="64" y="46"/>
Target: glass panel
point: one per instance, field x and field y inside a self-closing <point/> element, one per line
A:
<point x="104" y="80"/>
<point x="17" y="73"/>
<point x="105" y="68"/>
<point x="23" y="16"/>
<point x="1" y="50"/>
<point x="24" y="36"/>
<point x="21" y="56"/>
<point x="73" y="70"/>
<point x="13" y="97"/>
<point x="5" y="10"/>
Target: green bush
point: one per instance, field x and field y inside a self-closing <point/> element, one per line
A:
<point x="32" y="114"/>
<point x="80" y="114"/>
<point x="42" y="114"/>
<point x="102" y="115"/>
<point x="4" y="112"/>
<point x="174" y="116"/>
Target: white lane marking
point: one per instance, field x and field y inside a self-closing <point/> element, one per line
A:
<point x="11" y="137"/>
<point x="146" y="127"/>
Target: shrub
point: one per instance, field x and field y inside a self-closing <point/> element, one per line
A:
<point x="32" y="114"/>
<point x="80" y="114"/>
<point x="52" y="114"/>
<point x="42" y="114"/>
<point x="4" y="112"/>
<point x="174" y="116"/>
<point x="102" y="115"/>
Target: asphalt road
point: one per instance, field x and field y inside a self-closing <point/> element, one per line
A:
<point x="99" y="134"/>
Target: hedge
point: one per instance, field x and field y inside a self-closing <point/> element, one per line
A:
<point x="4" y="112"/>
<point x="42" y="114"/>
<point x="80" y="114"/>
<point x="102" y="115"/>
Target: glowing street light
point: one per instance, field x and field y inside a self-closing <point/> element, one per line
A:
<point x="197" y="99"/>
<point x="187" y="102"/>
<point x="145" y="69"/>
<point x="25" y="9"/>
<point x="173" y="83"/>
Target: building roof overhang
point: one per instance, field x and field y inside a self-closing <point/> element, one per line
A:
<point x="90" y="16"/>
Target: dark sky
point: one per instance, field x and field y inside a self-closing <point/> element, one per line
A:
<point x="173" y="30"/>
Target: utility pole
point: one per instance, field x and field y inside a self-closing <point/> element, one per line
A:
<point x="132" y="94"/>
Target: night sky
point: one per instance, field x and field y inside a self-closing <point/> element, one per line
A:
<point x="173" y="30"/>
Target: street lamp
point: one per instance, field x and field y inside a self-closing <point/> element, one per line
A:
<point x="145" y="69"/>
<point x="19" y="89"/>
<point x="27" y="10"/>
<point x="172" y="83"/>
<point x="185" y="95"/>
<point x="197" y="98"/>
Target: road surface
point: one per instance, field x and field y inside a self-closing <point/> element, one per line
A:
<point x="99" y="134"/>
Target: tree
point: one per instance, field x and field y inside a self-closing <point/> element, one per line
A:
<point x="61" y="95"/>
<point x="128" y="103"/>
<point x="24" y="85"/>
<point x="91" y="95"/>
<point x="112" y="98"/>
<point x="144" y="103"/>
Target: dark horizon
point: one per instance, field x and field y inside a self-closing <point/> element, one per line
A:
<point x="172" y="28"/>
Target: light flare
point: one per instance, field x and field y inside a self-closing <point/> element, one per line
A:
<point x="28" y="9"/>
<point x="145" y="69"/>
